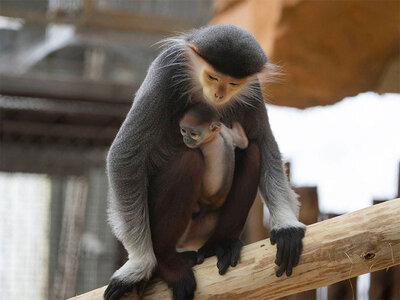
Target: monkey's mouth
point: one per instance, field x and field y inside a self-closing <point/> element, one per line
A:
<point x="191" y="146"/>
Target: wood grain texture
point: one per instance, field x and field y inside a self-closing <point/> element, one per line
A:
<point x="334" y="250"/>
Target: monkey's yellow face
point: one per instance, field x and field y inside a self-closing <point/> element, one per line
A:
<point x="217" y="88"/>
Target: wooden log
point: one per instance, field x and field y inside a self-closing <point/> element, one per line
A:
<point x="334" y="250"/>
<point x="383" y="283"/>
<point x="342" y="290"/>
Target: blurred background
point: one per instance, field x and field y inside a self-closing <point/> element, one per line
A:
<point x="68" y="73"/>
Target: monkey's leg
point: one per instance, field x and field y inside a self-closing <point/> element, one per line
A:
<point x="225" y="241"/>
<point x="171" y="211"/>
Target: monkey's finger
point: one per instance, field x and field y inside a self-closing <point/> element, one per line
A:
<point x="285" y="254"/>
<point x="272" y="238"/>
<point x="279" y="251"/>
<point x="111" y="289"/>
<point x="204" y="252"/>
<point x="116" y="288"/>
<point x="299" y="249"/>
<point x="236" y="249"/>
<point x="292" y="257"/>
<point x="224" y="259"/>
<point x="117" y="294"/>
<point x="207" y="250"/>
<point x="200" y="258"/>
<point x="107" y="292"/>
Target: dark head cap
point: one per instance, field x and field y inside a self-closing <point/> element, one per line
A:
<point x="231" y="50"/>
<point x="203" y="112"/>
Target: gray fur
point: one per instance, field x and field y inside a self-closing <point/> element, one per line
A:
<point x="230" y="49"/>
<point x="150" y="136"/>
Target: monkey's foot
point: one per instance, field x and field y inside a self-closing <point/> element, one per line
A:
<point x="288" y="248"/>
<point x="118" y="287"/>
<point x="185" y="286"/>
<point x="227" y="251"/>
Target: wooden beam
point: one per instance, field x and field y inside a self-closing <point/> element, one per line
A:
<point x="108" y="19"/>
<point x="334" y="250"/>
<point x="131" y="20"/>
<point x="55" y="159"/>
<point x="67" y="89"/>
<point x="59" y="130"/>
<point x="64" y="107"/>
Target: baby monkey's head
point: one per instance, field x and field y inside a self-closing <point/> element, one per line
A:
<point x="200" y="125"/>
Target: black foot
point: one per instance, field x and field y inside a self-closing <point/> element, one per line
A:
<point x="227" y="251"/>
<point x="185" y="286"/>
<point x="118" y="287"/>
<point x="288" y="248"/>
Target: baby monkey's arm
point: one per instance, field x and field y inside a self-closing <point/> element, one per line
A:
<point x="238" y="135"/>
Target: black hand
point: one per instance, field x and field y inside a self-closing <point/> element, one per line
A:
<point x="288" y="248"/>
<point x="227" y="251"/>
<point x="117" y="288"/>
<point x="204" y="252"/>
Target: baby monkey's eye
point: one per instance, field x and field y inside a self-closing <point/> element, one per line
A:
<point x="183" y="131"/>
<point x="212" y="77"/>
<point x="233" y="84"/>
<point x="194" y="136"/>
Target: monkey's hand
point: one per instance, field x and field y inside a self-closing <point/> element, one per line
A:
<point x="288" y="248"/>
<point x="117" y="288"/>
<point x="227" y="252"/>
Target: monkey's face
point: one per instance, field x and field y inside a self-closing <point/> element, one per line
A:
<point x="194" y="135"/>
<point x="217" y="88"/>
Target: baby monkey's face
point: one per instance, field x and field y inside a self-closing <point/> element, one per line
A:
<point x="195" y="135"/>
<point x="192" y="137"/>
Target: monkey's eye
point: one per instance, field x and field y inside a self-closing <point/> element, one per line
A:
<point x="212" y="77"/>
<point x="183" y="131"/>
<point x="233" y="84"/>
<point x="194" y="136"/>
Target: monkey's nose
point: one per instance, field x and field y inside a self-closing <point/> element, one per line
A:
<point x="219" y="97"/>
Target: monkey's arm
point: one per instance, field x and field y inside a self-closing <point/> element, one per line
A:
<point x="238" y="135"/>
<point x="127" y="168"/>
<point x="286" y="231"/>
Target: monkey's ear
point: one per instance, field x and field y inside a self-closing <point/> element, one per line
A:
<point x="215" y="127"/>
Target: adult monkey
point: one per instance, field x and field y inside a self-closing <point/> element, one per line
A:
<point x="155" y="179"/>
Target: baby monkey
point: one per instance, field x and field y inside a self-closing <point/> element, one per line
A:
<point x="201" y="128"/>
